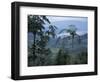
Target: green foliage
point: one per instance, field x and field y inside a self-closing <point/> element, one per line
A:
<point x="40" y="37"/>
<point x="40" y="55"/>
<point x="62" y="58"/>
<point x="81" y="58"/>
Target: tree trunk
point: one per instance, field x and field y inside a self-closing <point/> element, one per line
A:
<point x="34" y="45"/>
<point x="72" y="41"/>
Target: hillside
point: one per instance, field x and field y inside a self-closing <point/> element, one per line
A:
<point x="66" y="42"/>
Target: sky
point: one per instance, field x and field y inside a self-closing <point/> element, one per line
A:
<point x="65" y="18"/>
<point x="63" y="22"/>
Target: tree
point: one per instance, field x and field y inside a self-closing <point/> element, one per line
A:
<point x="62" y="57"/>
<point x="41" y="35"/>
<point x="72" y="31"/>
<point x="35" y="25"/>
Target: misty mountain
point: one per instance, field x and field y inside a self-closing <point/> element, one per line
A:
<point x="66" y="43"/>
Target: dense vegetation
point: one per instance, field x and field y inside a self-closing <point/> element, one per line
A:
<point x="41" y="53"/>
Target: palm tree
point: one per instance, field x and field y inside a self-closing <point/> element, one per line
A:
<point x="72" y="31"/>
<point x="36" y="25"/>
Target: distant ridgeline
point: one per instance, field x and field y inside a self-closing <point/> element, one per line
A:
<point x="65" y="42"/>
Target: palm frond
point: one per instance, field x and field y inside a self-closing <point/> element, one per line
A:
<point x="46" y="19"/>
<point x="55" y="27"/>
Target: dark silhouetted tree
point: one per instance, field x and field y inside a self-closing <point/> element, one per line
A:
<point x="41" y="35"/>
<point x="72" y="31"/>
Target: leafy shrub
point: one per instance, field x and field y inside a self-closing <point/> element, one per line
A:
<point x="62" y="58"/>
<point x="81" y="58"/>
